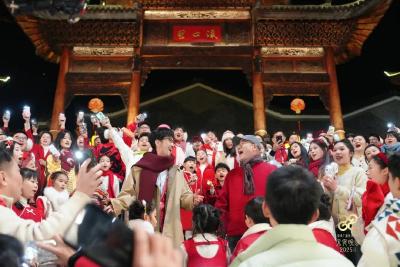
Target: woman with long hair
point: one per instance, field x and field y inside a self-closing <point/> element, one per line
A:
<point x="63" y="158"/>
<point x="319" y="156"/>
<point x="346" y="189"/>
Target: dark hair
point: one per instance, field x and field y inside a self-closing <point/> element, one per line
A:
<point x="137" y="210"/>
<point x="368" y="146"/>
<point x="303" y="154"/>
<point x="326" y="158"/>
<point x="350" y="135"/>
<point x="60" y="136"/>
<point x="5" y="156"/>
<point x="205" y="219"/>
<point x="394" y="165"/>
<point x="278" y="132"/>
<point x="17" y="132"/>
<point x="189" y="158"/>
<point x="11" y="251"/>
<point x="346" y="143"/>
<point x="363" y="136"/>
<point x="159" y="134"/>
<point x="55" y="175"/>
<point x="374" y="135"/>
<point x="221" y="165"/>
<point x="292" y="195"/>
<point x="325" y="207"/>
<point x="229" y="151"/>
<point x="395" y="135"/>
<point x="143" y="123"/>
<point x="28" y="174"/>
<point x="9" y="146"/>
<point x="46" y="132"/>
<point x="144" y="134"/>
<point x="253" y="210"/>
<point x="179" y="126"/>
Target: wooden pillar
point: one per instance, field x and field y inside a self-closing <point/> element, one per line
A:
<point x="258" y="96"/>
<point x="61" y="90"/>
<point x="134" y="96"/>
<point x="335" y="109"/>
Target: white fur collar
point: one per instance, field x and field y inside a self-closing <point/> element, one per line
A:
<point x="257" y="228"/>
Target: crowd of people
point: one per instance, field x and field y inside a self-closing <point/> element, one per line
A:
<point x="243" y="200"/>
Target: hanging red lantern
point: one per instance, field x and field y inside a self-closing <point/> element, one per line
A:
<point x="96" y="105"/>
<point x="297" y="105"/>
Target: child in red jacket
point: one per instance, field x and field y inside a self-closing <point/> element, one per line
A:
<point x="221" y="171"/>
<point x="24" y="207"/>
<point x="205" y="248"/>
<point x="257" y="225"/>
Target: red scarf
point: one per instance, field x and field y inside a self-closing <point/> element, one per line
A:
<point x="3" y="202"/>
<point x="65" y="155"/>
<point x="151" y="165"/>
<point x="110" y="186"/>
<point x="314" y="167"/>
<point x="281" y="155"/>
<point x="372" y="199"/>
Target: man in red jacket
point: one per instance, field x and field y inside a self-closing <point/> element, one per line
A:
<point x="241" y="185"/>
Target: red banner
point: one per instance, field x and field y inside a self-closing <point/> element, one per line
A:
<point x="196" y="34"/>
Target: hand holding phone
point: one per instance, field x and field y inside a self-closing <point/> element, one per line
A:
<point x="53" y="150"/>
<point x="6" y="115"/>
<point x="102" y="238"/>
<point x="26" y="113"/>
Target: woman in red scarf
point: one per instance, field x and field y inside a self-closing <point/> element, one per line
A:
<point x="377" y="188"/>
<point x="319" y="156"/>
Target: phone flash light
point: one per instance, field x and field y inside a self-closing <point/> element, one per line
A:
<point x="78" y="154"/>
<point x="389" y="125"/>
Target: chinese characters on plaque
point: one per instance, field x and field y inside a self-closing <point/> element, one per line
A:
<point x="196" y="34"/>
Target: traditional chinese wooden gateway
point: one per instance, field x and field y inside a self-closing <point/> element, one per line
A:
<point x="284" y="49"/>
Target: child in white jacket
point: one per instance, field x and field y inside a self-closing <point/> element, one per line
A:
<point x="57" y="193"/>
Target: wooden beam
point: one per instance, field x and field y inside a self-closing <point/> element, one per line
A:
<point x="335" y="109"/>
<point x="134" y="97"/>
<point x="60" y="94"/>
<point x="258" y="95"/>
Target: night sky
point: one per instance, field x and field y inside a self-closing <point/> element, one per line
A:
<point x="33" y="80"/>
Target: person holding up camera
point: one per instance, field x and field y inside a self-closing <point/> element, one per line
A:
<point x="279" y="151"/>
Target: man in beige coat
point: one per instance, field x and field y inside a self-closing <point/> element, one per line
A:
<point x="154" y="178"/>
<point x="57" y="222"/>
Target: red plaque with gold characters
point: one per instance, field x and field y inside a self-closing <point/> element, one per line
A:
<point x="197" y="34"/>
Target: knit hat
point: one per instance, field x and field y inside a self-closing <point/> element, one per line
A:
<point x="252" y="139"/>
<point x="227" y="135"/>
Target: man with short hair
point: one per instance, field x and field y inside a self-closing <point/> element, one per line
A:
<point x="242" y="184"/>
<point x="291" y="202"/>
<point x="57" y="222"/>
<point x="155" y="178"/>
<point x="374" y="139"/>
